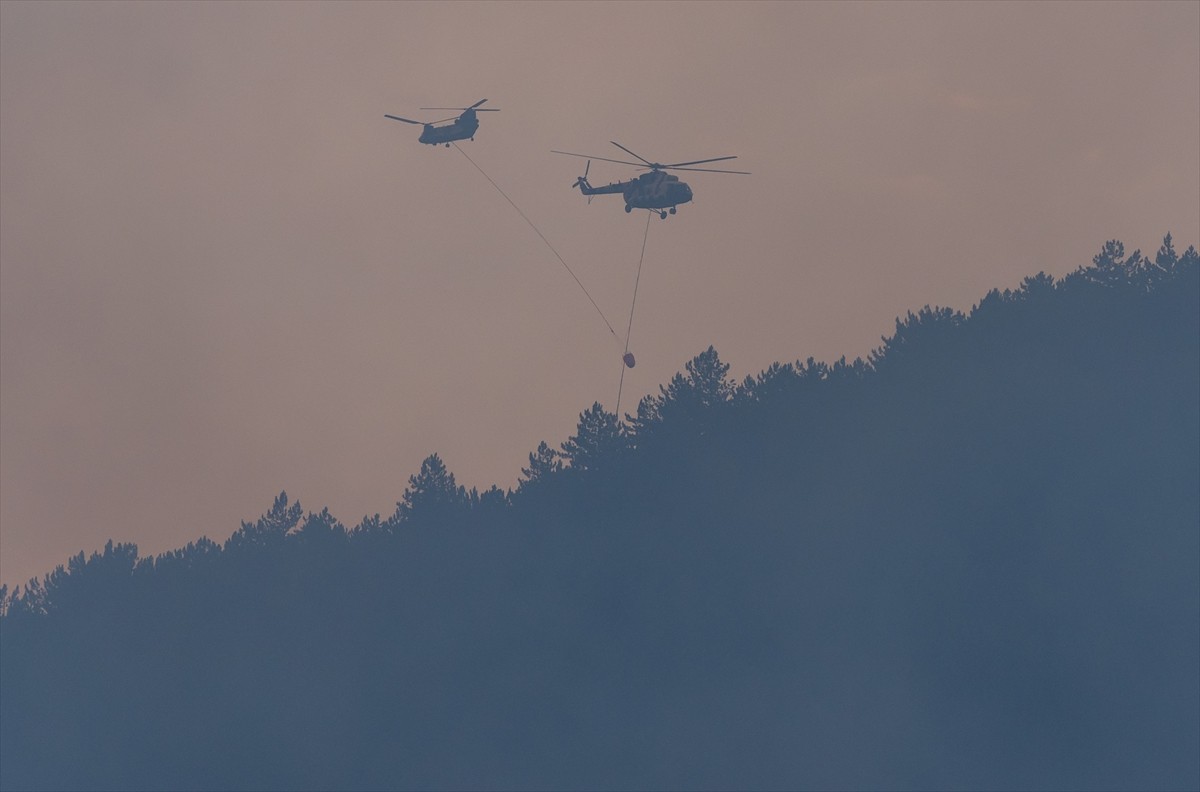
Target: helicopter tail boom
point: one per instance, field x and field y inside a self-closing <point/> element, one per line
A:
<point x="586" y="187"/>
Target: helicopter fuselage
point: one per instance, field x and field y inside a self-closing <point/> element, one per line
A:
<point x="654" y="190"/>
<point x="461" y="128"/>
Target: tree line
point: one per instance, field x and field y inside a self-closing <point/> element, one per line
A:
<point x="968" y="560"/>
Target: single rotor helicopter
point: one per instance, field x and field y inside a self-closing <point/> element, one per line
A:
<point x="656" y="190"/>
<point x="462" y="127"/>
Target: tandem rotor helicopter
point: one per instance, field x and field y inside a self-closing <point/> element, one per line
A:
<point x="462" y="127"/>
<point x="656" y="190"/>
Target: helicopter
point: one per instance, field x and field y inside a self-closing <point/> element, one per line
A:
<point x="462" y="127"/>
<point x="656" y="190"/>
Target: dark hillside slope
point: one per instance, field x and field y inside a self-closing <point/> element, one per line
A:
<point x="972" y="561"/>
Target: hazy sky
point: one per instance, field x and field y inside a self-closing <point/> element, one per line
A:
<point x="223" y="273"/>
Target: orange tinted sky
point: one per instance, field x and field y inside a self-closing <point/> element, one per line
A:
<point x="223" y="273"/>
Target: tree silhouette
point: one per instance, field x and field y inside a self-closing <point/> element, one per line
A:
<point x="596" y="440"/>
<point x="543" y="462"/>
<point x="1166" y="258"/>
<point x="321" y="529"/>
<point x="1036" y="287"/>
<point x="705" y="385"/>
<point x="489" y="502"/>
<point x="1110" y="267"/>
<point x="432" y="494"/>
<point x="683" y="401"/>
<point x="915" y="334"/>
<point x="270" y="530"/>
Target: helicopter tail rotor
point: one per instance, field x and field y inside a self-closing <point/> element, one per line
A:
<point x="582" y="182"/>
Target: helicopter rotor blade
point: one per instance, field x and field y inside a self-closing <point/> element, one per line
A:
<point x="698" y="162"/>
<point x="603" y="159"/>
<point x="639" y="156"/>
<point x="405" y="120"/>
<point x="711" y="170"/>
<point x="464" y="109"/>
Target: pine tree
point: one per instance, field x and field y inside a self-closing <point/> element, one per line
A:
<point x="597" y="439"/>
<point x="686" y="397"/>
<point x="321" y="528"/>
<point x="432" y="493"/>
<point x="543" y="462"/>
<point x="270" y="529"/>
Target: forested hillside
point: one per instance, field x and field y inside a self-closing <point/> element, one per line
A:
<point x="969" y="561"/>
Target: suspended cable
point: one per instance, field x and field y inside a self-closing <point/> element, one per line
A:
<point x="632" y="306"/>
<point x="543" y="236"/>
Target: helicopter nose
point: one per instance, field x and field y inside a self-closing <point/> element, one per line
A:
<point x="687" y="193"/>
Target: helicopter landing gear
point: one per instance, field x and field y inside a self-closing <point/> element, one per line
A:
<point x="662" y="215"/>
<point x="672" y="210"/>
<point x="447" y="145"/>
<point x="628" y="208"/>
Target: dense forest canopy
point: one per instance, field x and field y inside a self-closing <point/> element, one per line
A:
<point x="971" y="560"/>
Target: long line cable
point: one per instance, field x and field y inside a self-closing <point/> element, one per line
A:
<point x="543" y="236"/>
<point x="633" y="305"/>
